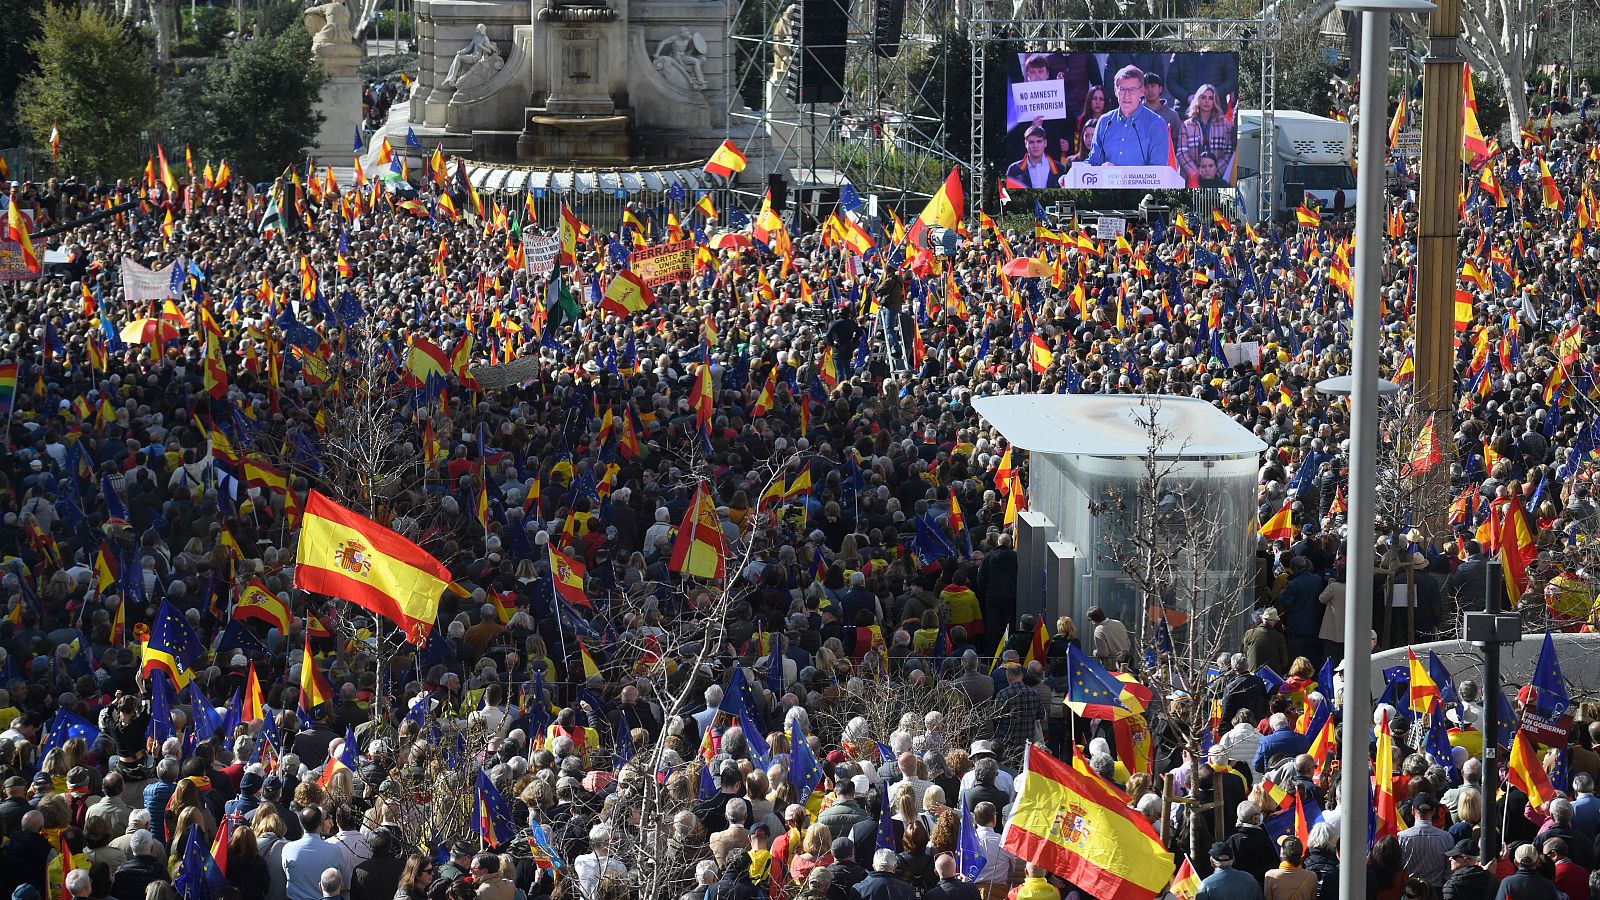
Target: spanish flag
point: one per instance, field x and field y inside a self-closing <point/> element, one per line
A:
<point x="1516" y="550"/>
<point x="1526" y="772"/>
<point x="567" y="575"/>
<point x="17" y="230"/>
<point x="1424" y="690"/>
<point x="570" y="229"/>
<point x="1185" y="884"/>
<point x="256" y="602"/>
<point x="1039" y="355"/>
<point x="1547" y="185"/>
<point x="943" y="209"/>
<point x="1085" y="831"/>
<point x="1307" y="217"/>
<point x="1281" y="526"/>
<point x="726" y="161"/>
<point x="701" y="550"/>
<point x="1388" y="818"/>
<point x="627" y="293"/>
<point x="255" y="704"/>
<point x="1473" y="146"/>
<point x="702" y="397"/>
<point x="344" y="555"/>
<point x="315" y="688"/>
<point x="590" y="669"/>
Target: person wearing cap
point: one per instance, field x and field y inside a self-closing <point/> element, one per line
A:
<point x="1468" y="880"/>
<point x="1571" y="878"/>
<point x="1423" y="846"/>
<point x="460" y="862"/>
<point x="1527" y="883"/>
<point x="1225" y="882"/>
<point x="15" y="804"/>
<point x="846" y="871"/>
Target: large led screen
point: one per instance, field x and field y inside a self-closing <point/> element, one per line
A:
<point x="1121" y="120"/>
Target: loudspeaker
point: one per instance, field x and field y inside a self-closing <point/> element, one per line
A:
<point x="779" y="188"/>
<point x="824" y="30"/>
<point x="887" y="24"/>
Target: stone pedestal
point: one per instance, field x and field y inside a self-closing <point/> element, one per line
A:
<point x="588" y="139"/>
<point x="339" y="102"/>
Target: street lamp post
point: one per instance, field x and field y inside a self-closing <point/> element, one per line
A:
<point x="1364" y="389"/>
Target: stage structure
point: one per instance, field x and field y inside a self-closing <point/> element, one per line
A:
<point x="1027" y="26"/>
<point x="847" y="92"/>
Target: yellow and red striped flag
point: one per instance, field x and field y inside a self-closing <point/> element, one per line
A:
<point x="342" y="554"/>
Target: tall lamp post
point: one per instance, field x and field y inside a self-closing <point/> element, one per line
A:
<point x="1363" y="389"/>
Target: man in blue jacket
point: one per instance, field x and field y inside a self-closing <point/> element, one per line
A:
<point x="1302" y="611"/>
<point x="1283" y="743"/>
<point x="1226" y="882"/>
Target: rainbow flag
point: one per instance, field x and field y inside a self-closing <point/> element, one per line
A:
<point x="8" y="387"/>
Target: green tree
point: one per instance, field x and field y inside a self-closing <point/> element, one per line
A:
<point x="16" y="61"/>
<point x="94" y="82"/>
<point x="262" y="104"/>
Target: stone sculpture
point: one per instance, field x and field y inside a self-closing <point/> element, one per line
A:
<point x="684" y="54"/>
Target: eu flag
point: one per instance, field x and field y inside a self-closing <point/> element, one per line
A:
<point x="804" y="773"/>
<point x="494" y="813"/>
<point x="1547" y="691"/>
<point x="66" y="726"/>
<point x="1092" y="691"/>
<point x="198" y="875"/>
<point x="173" y="646"/>
<point x="968" y="850"/>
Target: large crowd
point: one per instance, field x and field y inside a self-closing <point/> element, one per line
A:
<point x="172" y="471"/>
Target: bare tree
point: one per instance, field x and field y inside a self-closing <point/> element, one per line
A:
<point x="1169" y="533"/>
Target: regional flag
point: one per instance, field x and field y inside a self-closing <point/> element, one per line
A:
<point x="344" y="555"/>
<point x="626" y="294"/>
<point x="1084" y="830"/>
<point x="726" y="161"/>
<point x="701" y="549"/>
<point x="173" y="646"/>
<point x="256" y="602"/>
<point x="567" y="575"/>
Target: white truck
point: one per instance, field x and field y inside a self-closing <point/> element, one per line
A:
<point x="1313" y="156"/>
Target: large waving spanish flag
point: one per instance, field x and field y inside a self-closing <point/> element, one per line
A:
<point x="344" y="555"/>
<point x="943" y="210"/>
<point x="1083" y="830"/>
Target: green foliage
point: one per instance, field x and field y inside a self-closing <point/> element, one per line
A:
<point x="261" y="106"/>
<point x="382" y="25"/>
<point x="1492" y="112"/>
<point x="16" y="61"/>
<point x="275" y="18"/>
<point x="94" y="82"/>
<point x="1305" y="80"/>
<point x="204" y="33"/>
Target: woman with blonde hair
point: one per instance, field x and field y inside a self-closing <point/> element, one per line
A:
<point x="815" y="850"/>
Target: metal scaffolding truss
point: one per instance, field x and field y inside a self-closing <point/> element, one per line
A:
<point x="990" y="25"/>
<point x="887" y="136"/>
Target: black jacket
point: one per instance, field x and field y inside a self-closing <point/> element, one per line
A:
<point x="733" y="886"/>
<point x="134" y="875"/>
<point x="1470" y="883"/>
<point x="1253" y="851"/>
<point x="1325" y="865"/>
<point x="951" y="889"/>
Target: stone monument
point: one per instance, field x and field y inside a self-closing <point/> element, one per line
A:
<point x="333" y="46"/>
<point x="601" y="82"/>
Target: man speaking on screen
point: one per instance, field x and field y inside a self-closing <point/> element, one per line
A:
<point x="1132" y="134"/>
